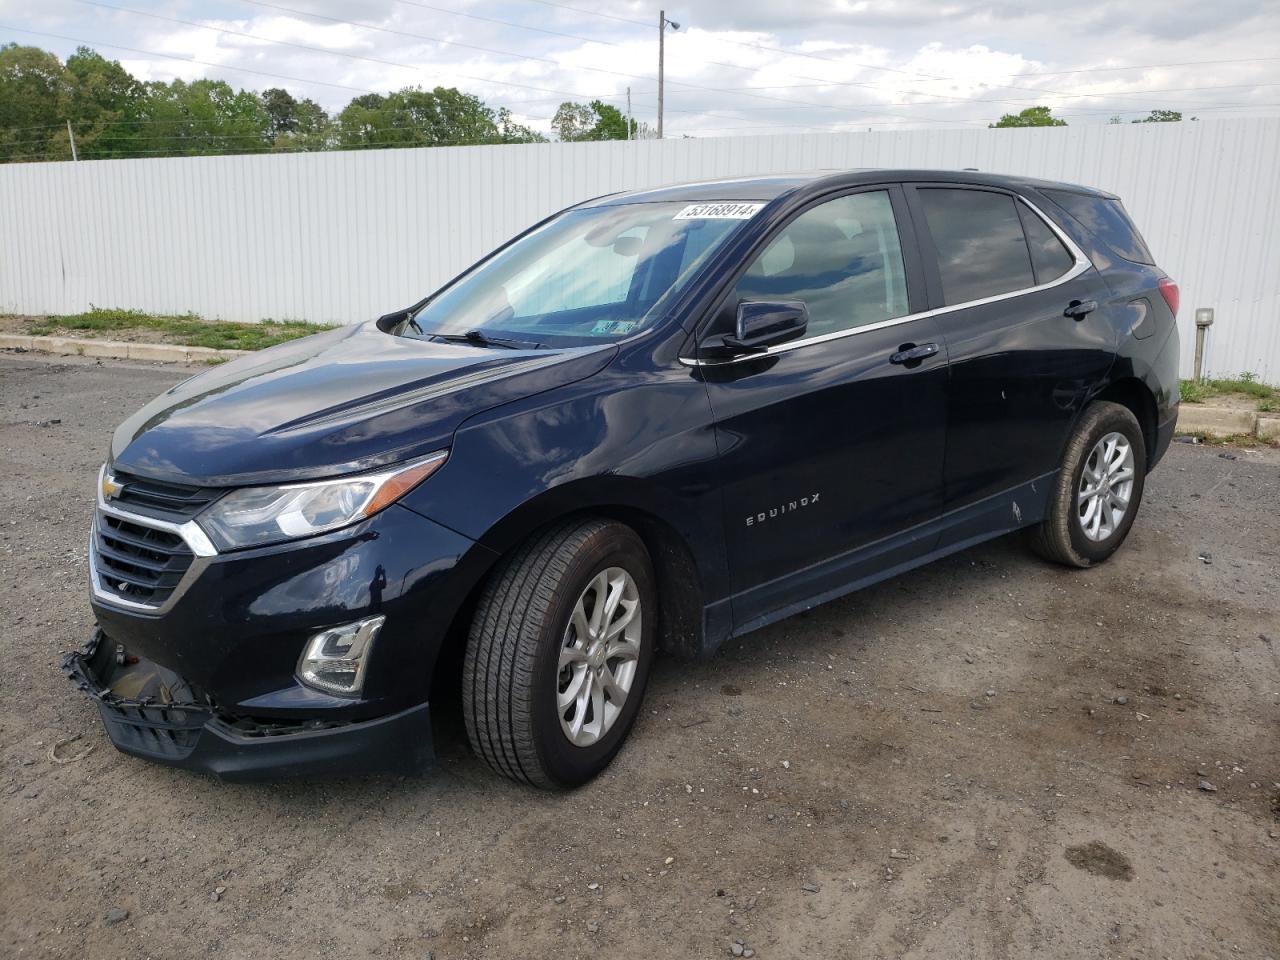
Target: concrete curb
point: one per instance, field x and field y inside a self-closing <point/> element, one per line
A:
<point x="1216" y="421"/>
<point x="117" y="349"/>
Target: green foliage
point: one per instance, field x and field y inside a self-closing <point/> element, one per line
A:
<point x="35" y="93"/>
<point x="414" y="117"/>
<point x="296" y="124"/>
<point x="188" y="329"/>
<point x="115" y="115"/>
<point x="1246" y="384"/>
<point x="1161" y="116"/>
<point x="1030" y="117"/>
<point x="594" y="121"/>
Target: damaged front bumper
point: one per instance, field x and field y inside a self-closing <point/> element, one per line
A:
<point x="151" y="712"/>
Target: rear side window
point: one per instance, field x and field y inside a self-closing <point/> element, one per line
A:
<point x="979" y="241"/>
<point x="1107" y="220"/>
<point x="1049" y="256"/>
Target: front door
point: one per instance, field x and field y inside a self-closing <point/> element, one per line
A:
<point x="830" y="446"/>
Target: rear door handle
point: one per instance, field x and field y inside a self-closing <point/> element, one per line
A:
<point x="1079" y="309"/>
<point x="909" y="354"/>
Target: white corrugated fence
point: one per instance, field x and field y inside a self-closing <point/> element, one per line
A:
<point x="350" y="235"/>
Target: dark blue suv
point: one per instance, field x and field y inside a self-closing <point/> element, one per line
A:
<point x="651" y="422"/>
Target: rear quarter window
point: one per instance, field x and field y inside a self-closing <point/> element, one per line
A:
<point x="1107" y="220"/>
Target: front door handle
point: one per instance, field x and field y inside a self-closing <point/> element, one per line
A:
<point x="910" y="355"/>
<point x="1079" y="309"/>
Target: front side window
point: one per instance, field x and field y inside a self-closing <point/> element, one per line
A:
<point x="842" y="258"/>
<point x="593" y="274"/>
<point x="979" y="241"/>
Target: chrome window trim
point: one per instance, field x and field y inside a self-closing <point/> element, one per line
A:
<point x="1082" y="264"/>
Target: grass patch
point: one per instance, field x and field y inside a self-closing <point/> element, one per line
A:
<point x="187" y="329"/>
<point x="1245" y="385"/>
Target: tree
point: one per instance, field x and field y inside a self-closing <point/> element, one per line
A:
<point x="1030" y="117"/>
<point x="573" y="121"/>
<point x="597" y="120"/>
<point x="295" y="124"/>
<point x="192" y="119"/>
<point x="103" y="93"/>
<point x="1161" y="116"/>
<point x="414" y="117"/>
<point x="113" y="114"/>
<point x="511" y="132"/>
<point x="35" y="97"/>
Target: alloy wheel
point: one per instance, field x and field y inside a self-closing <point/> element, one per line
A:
<point x="1106" y="486"/>
<point x="599" y="656"/>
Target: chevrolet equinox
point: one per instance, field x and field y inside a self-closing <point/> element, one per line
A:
<point x="651" y="422"/>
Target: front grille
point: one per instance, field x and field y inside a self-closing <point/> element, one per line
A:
<point x="170" y="499"/>
<point x="136" y="562"/>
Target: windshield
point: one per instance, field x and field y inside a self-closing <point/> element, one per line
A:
<point x="590" y="275"/>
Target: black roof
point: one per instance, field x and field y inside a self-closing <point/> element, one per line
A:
<point x="774" y="185"/>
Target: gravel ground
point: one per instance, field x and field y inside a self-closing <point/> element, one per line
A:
<point x="989" y="757"/>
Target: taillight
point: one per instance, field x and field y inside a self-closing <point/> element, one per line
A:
<point x="1169" y="290"/>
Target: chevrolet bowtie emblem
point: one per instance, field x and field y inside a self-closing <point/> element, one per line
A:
<point x="110" y="488"/>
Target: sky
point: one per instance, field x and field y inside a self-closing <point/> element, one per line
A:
<point x="732" y="66"/>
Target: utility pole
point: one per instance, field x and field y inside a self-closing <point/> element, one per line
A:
<point x="628" y="113"/>
<point x="72" y="137"/>
<point x="663" y="23"/>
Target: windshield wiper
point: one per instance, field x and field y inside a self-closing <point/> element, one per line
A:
<point x="481" y="339"/>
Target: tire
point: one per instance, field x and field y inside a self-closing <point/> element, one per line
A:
<point x="526" y="651"/>
<point x="1070" y="533"/>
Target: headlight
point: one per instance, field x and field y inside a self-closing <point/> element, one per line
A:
<point x="260" y="515"/>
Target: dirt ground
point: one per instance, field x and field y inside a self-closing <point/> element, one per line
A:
<point x="988" y="757"/>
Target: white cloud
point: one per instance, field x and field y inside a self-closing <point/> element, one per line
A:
<point x="746" y="66"/>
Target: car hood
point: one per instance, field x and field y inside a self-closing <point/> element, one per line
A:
<point x="333" y="403"/>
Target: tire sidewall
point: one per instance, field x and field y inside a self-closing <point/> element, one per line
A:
<point x="566" y="763"/>
<point x="1110" y="419"/>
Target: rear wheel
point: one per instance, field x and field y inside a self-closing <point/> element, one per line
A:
<point x="1097" y="491"/>
<point x="558" y="653"/>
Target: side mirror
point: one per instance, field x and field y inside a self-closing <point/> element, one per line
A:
<point x="764" y="323"/>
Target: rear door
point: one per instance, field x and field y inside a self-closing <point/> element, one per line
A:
<point x="827" y="444"/>
<point x="1000" y="277"/>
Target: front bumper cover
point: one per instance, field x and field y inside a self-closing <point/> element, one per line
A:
<point x="151" y="712"/>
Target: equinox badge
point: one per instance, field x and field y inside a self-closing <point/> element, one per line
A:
<point x="791" y="506"/>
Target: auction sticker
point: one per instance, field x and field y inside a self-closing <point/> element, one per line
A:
<point x="731" y="210"/>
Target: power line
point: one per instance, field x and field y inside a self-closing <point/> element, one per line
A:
<point x="322" y="50"/>
<point x="417" y="68"/>
<point x="174" y="56"/>
<point x="576" y="36"/>
<point x="918" y="77"/>
<point x="630" y="76"/>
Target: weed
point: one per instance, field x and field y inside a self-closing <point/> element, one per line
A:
<point x="185" y="329"/>
<point x="1246" y="385"/>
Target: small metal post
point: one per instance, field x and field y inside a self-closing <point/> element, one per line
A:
<point x="72" y="137"/>
<point x="1204" y="320"/>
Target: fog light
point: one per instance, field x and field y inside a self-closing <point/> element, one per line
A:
<point x="334" y="660"/>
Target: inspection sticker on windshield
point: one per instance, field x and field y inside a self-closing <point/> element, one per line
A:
<point x="719" y="211"/>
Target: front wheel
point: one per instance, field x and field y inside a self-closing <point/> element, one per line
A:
<point x="558" y="653"/>
<point x="1097" y="491"/>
